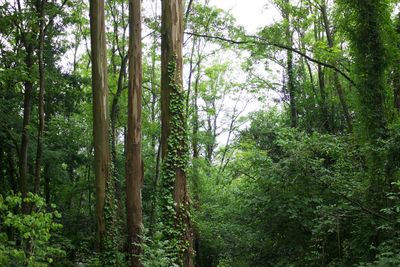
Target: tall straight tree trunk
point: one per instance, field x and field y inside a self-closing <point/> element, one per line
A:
<point x="134" y="171"/>
<point x="114" y="135"/>
<point x="369" y="48"/>
<point x="100" y="113"/>
<point x="155" y="138"/>
<point x="173" y="132"/>
<point x="23" y="159"/>
<point x="39" y="150"/>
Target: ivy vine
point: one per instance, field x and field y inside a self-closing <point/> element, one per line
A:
<point x="174" y="217"/>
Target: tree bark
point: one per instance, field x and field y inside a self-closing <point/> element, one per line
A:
<point x="39" y="150"/>
<point x="100" y="112"/>
<point x="155" y="138"/>
<point x="114" y="135"/>
<point x="173" y="130"/>
<point x="23" y="159"/>
<point x="134" y="169"/>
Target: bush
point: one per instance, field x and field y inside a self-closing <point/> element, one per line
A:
<point x="25" y="238"/>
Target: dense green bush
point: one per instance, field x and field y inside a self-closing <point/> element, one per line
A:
<point x="25" y="239"/>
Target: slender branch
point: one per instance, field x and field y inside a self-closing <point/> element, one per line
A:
<point x="189" y="7"/>
<point x="261" y="41"/>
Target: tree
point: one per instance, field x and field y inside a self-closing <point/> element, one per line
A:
<point x="368" y="45"/>
<point x="27" y="42"/>
<point x="134" y="168"/>
<point x="173" y="132"/>
<point x="100" y="113"/>
<point x="291" y="86"/>
<point x="40" y="7"/>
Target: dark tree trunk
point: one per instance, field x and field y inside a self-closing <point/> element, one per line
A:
<point x="23" y="159"/>
<point x="290" y="79"/>
<point x="39" y="150"/>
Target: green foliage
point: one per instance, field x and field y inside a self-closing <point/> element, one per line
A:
<point x="316" y="195"/>
<point x="174" y="216"/>
<point x="110" y="255"/>
<point x="34" y="231"/>
<point x="368" y="28"/>
<point x="158" y="252"/>
<point x="289" y="198"/>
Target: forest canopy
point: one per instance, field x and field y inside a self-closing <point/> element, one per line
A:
<point x="168" y="134"/>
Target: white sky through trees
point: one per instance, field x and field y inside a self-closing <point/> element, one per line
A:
<point x="251" y="14"/>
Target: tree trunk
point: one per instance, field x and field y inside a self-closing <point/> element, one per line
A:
<point x="134" y="169"/>
<point x="100" y="112"/>
<point x="370" y="62"/>
<point x="23" y="160"/>
<point x="324" y="105"/>
<point x="290" y="70"/>
<point x="155" y="138"/>
<point x="337" y="83"/>
<point x="39" y="150"/>
<point x="173" y="132"/>
<point x="114" y="135"/>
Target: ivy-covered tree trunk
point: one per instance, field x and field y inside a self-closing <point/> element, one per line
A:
<point x="134" y="169"/>
<point x="100" y="113"/>
<point x="173" y="134"/>
<point x="368" y="46"/>
<point x="369" y="49"/>
<point x="290" y="79"/>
